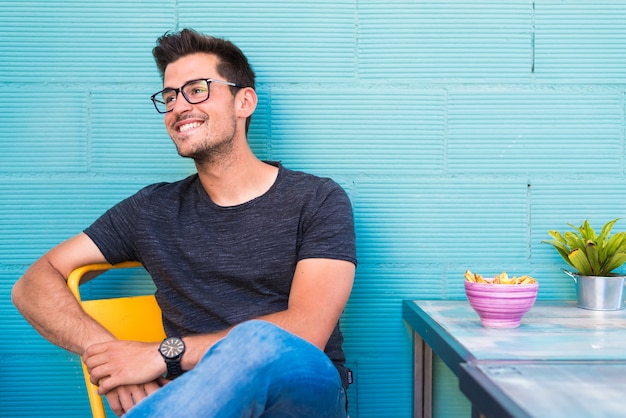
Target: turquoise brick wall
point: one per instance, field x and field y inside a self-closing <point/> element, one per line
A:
<point x="462" y="130"/>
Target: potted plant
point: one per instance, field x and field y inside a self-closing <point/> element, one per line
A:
<point x="595" y="257"/>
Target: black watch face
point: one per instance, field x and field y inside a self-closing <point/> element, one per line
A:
<point x="172" y="347"/>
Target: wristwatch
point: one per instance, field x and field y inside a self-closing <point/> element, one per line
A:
<point x="172" y="349"/>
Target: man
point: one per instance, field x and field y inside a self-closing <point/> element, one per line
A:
<point x="253" y="265"/>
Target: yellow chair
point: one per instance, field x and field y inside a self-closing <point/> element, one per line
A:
<point x="136" y="318"/>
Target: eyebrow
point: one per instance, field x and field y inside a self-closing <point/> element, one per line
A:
<point x="191" y="79"/>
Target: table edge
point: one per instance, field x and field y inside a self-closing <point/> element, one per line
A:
<point x="444" y="345"/>
<point x="479" y="389"/>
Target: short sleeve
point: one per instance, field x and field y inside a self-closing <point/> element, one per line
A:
<point x="328" y="230"/>
<point x="114" y="231"/>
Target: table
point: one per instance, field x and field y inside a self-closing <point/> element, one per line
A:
<point x="550" y="331"/>
<point x="545" y="389"/>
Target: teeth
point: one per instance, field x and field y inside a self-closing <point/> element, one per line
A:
<point x="189" y="126"/>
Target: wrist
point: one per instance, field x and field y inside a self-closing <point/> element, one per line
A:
<point x="198" y="345"/>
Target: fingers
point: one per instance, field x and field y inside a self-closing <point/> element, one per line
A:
<point x="108" y="375"/>
<point x="98" y="367"/>
<point x="151" y="387"/>
<point x="93" y="357"/>
<point x="123" y="398"/>
<point x="117" y="363"/>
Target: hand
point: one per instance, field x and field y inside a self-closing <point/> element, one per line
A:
<point x="117" y="363"/>
<point x="123" y="398"/>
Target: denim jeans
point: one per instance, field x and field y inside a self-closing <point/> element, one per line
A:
<point x="258" y="370"/>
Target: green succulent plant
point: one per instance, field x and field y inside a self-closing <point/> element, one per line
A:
<point x="591" y="254"/>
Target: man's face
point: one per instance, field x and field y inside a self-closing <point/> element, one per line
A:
<point x="205" y="130"/>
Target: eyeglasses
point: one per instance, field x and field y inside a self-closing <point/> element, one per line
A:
<point x="194" y="91"/>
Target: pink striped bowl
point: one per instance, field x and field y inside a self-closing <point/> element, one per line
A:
<point x="501" y="305"/>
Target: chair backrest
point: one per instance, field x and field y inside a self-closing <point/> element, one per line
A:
<point x="136" y="318"/>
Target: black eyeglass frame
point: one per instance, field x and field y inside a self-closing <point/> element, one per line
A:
<point x="181" y="91"/>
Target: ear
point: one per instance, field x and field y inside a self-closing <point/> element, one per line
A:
<point x="246" y="100"/>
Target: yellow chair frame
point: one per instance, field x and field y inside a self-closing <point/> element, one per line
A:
<point x="136" y="318"/>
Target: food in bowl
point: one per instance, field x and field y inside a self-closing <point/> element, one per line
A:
<point x="500" y="301"/>
<point x="499" y="279"/>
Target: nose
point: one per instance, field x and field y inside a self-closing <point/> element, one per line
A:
<point x="180" y="104"/>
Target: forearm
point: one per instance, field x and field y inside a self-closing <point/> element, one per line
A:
<point x="319" y="293"/>
<point x="43" y="298"/>
<point x="305" y="327"/>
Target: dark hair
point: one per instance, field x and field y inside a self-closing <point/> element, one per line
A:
<point x="232" y="64"/>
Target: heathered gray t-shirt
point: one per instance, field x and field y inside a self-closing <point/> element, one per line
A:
<point x="215" y="266"/>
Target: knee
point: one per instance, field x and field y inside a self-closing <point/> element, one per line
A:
<point x="274" y="347"/>
<point x="255" y="327"/>
<point x="258" y="335"/>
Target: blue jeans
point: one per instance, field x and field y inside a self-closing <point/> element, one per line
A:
<point x="258" y="370"/>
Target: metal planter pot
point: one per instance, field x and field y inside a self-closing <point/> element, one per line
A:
<point x="599" y="293"/>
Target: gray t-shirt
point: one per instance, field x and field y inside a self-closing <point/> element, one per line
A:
<point x="215" y="266"/>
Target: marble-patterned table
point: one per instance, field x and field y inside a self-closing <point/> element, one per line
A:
<point x="552" y="331"/>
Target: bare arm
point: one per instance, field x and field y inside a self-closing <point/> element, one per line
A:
<point x="43" y="298"/>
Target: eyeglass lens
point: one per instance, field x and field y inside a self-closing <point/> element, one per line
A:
<point x="195" y="91"/>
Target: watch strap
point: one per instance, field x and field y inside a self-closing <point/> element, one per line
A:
<point x="174" y="369"/>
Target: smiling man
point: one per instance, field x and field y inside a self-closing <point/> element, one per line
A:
<point x="253" y="265"/>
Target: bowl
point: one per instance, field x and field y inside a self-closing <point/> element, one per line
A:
<point x="501" y="305"/>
